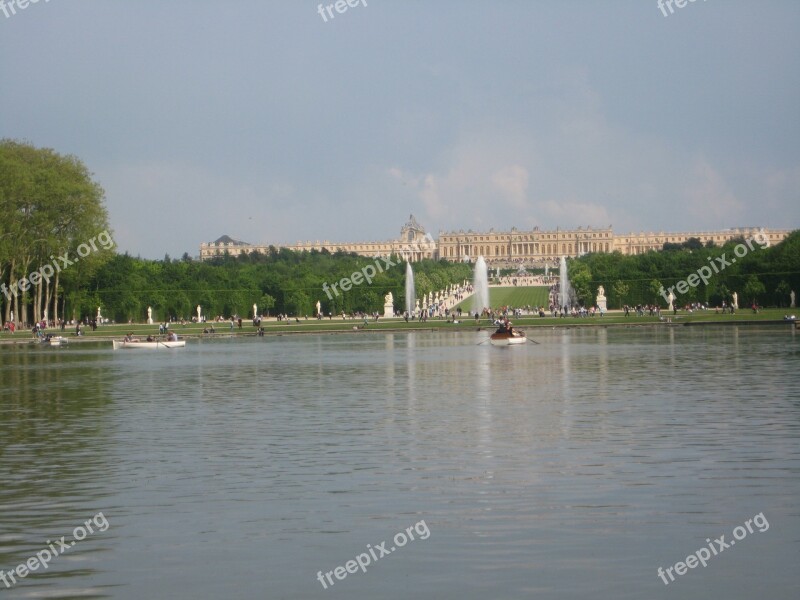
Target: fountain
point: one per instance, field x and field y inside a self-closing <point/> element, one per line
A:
<point x="480" y="283"/>
<point x="410" y="292"/>
<point x="565" y="294"/>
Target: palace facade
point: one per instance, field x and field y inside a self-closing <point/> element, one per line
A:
<point x="413" y="244"/>
<point x="535" y="246"/>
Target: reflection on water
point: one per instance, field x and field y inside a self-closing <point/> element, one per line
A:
<point x="569" y="469"/>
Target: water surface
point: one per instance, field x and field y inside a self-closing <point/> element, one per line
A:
<point x="569" y="469"/>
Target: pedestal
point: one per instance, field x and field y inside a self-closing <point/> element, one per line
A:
<point x="388" y="311"/>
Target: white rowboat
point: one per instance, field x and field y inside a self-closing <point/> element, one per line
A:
<point x="152" y="345"/>
<point x="507" y="339"/>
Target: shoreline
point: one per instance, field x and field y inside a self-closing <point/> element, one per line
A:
<point x="279" y="329"/>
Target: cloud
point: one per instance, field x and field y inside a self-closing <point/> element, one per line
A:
<point x="709" y="199"/>
<point x="565" y="211"/>
<point x="512" y="183"/>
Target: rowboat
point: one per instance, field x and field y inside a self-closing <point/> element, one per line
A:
<point x="504" y="337"/>
<point x="151" y="345"/>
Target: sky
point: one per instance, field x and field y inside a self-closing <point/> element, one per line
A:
<point x="269" y="122"/>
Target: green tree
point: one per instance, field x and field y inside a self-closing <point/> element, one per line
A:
<point x="782" y="294"/>
<point x="50" y="207"/>
<point x="753" y="289"/>
<point x="621" y="290"/>
<point x="265" y="304"/>
<point x="580" y="277"/>
<point x="655" y="291"/>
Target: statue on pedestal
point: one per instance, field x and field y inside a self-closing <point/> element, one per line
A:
<point x="199" y="314"/>
<point x="735" y="300"/>
<point x="601" y="299"/>
<point x="319" y="308"/>
<point x="388" y="306"/>
<point x="149" y="316"/>
<point x="255" y="311"/>
<point x="671" y="299"/>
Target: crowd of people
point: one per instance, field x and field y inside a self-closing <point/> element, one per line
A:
<point x="525" y="280"/>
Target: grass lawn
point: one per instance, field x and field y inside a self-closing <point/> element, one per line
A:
<point x="514" y="296"/>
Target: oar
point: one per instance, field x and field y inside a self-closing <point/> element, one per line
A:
<point x="529" y="339"/>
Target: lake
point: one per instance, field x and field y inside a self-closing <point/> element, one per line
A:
<point x="255" y="468"/>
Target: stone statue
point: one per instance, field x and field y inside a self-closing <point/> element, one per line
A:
<point x="791" y="295"/>
<point x="199" y="318"/>
<point x="388" y="306"/>
<point x="319" y="308"/>
<point x="149" y="316"/>
<point x="671" y="299"/>
<point x="255" y="311"/>
<point x="601" y="299"/>
<point x="735" y="302"/>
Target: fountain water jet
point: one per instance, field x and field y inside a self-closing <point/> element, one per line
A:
<point x="565" y="294"/>
<point x="410" y="291"/>
<point x="480" y="283"/>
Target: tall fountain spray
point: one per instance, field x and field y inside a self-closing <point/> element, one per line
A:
<point x="480" y="283"/>
<point x="410" y="291"/>
<point x="564" y="288"/>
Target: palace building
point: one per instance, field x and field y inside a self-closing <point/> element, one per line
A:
<point x="535" y="246"/>
<point x="413" y="244"/>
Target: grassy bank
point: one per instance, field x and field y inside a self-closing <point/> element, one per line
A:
<point x="274" y="327"/>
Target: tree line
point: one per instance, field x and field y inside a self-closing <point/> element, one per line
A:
<point x="279" y="281"/>
<point x="762" y="275"/>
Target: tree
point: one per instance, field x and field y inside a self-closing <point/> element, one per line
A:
<point x="580" y="276"/>
<point x="782" y="293"/>
<point x="693" y="243"/>
<point x="621" y="290"/>
<point x="655" y="291"/>
<point x="51" y="207"/>
<point x="753" y="288"/>
<point x="266" y="303"/>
